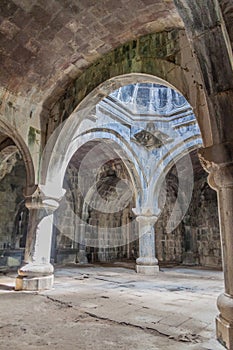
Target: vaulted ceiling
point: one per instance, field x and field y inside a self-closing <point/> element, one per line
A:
<point x="41" y="40"/>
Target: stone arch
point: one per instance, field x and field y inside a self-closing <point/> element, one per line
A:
<point x="14" y="214"/>
<point x="164" y="167"/>
<point x="170" y="158"/>
<point x="53" y="181"/>
<point x="17" y="140"/>
<point x="59" y="142"/>
<point x="122" y="198"/>
<point x="165" y="55"/>
<point x="103" y="211"/>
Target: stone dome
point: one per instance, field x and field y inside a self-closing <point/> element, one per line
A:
<point x="150" y="98"/>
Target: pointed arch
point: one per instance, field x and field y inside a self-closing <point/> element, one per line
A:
<point x="18" y="141"/>
<point x="172" y="63"/>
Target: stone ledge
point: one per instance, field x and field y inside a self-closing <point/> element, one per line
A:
<point x="147" y="270"/>
<point x="224" y="332"/>
<point x="34" y="283"/>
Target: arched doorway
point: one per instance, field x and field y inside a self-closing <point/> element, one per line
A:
<point x="16" y="182"/>
<point x="156" y="123"/>
<point x="94" y="222"/>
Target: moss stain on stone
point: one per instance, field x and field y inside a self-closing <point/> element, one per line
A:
<point x="32" y="133"/>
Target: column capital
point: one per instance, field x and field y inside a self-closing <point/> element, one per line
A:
<point x="216" y="155"/>
<point x="146" y="212"/>
<point x="149" y="220"/>
<point x="217" y="160"/>
<point x="38" y="200"/>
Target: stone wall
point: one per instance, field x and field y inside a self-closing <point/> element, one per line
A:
<point x="78" y="221"/>
<point x="14" y="217"/>
<point x="164" y="55"/>
<point x="169" y="244"/>
<point x="107" y="233"/>
<point x="196" y="240"/>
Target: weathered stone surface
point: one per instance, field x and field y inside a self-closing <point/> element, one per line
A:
<point x="227" y="12"/>
<point x="196" y="241"/>
<point x="116" y="307"/>
<point x="74" y="24"/>
<point x="165" y="55"/>
<point x="34" y="283"/>
<point x="12" y="211"/>
<point x="210" y="44"/>
<point x="101" y="229"/>
<point x="189" y="243"/>
<point x="55" y="54"/>
<point x="147" y="270"/>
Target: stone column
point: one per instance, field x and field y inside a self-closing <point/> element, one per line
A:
<point x="221" y="179"/>
<point x="37" y="272"/>
<point x="82" y="257"/>
<point x="147" y="263"/>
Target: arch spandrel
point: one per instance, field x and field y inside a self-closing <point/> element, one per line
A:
<point x="171" y="61"/>
<point x="84" y="126"/>
<point x="53" y="181"/>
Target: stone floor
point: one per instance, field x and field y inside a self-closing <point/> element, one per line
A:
<point x="112" y="308"/>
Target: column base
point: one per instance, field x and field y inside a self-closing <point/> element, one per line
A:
<point x="147" y="270"/>
<point x="224" y="331"/>
<point x="34" y="283"/>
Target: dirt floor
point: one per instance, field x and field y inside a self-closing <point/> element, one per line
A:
<point x="112" y="308"/>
